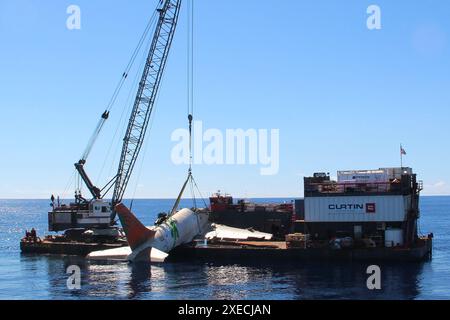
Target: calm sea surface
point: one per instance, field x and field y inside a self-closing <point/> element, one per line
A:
<point x="44" y="277"/>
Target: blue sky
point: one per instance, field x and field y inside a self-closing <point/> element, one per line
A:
<point x="343" y="97"/>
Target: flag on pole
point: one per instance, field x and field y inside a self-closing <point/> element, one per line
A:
<point x="402" y="151"/>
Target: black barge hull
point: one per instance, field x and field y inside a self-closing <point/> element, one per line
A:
<point x="236" y="254"/>
<point x="215" y="253"/>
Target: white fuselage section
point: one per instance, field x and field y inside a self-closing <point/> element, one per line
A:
<point x="177" y="230"/>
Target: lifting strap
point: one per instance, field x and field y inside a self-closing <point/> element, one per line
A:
<point x="177" y="203"/>
<point x="190" y="177"/>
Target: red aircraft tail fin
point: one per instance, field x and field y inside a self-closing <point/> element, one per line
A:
<point x="136" y="232"/>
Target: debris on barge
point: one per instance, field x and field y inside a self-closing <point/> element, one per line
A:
<point x="273" y="218"/>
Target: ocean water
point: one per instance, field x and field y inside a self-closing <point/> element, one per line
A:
<point x="44" y="277"/>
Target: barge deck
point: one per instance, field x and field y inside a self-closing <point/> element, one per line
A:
<point x="71" y="248"/>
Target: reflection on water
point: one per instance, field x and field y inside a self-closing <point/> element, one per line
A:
<point x="141" y="279"/>
<point x="218" y="281"/>
<point x="44" y="277"/>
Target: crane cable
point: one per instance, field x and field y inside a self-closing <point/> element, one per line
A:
<point x="191" y="105"/>
<point x="118" y="89"/>
<point x="190" y="91"/>
<point x="105" y="114"/>
<point x="190" y="109"/>
<point x="190" y="76"/>
<point x="131" y="61"/>
<point x="127" y="103"/>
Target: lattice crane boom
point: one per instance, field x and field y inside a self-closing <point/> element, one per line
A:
<point x="146" y="95"/>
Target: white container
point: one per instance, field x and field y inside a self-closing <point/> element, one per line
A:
<point x="362" y="176"/>
<point x="396" y="173"/>
<point x="390" y="208"/>
<point x="393" y="238"/>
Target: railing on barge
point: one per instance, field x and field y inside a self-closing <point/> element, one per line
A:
<point x="405" y="186"/>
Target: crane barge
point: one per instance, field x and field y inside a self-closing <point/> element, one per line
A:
<point x="364" y="215"/>
<point x="92" y="220"/>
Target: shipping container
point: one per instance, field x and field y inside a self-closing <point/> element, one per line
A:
<point x="372" y="176"/>
<point x="357" y="208"/>
<point x="363" y="176"/>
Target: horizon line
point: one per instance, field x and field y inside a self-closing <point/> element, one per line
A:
<point x="168" y="198"/>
